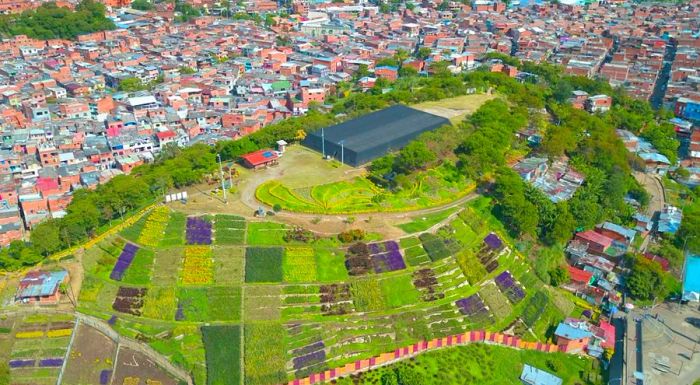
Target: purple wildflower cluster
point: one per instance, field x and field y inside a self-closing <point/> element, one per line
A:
<point x="509" y="287"/>
<point x="104" y="376"/>
<point x="198" y="231"/>
<point x="21" y="363"/>
<point x="123" y="262"/>
<point x="386" y="256"/>
<point x="474" y="308"/>
<point x="51" y="362"/>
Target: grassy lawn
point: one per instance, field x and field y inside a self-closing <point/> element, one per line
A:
<point x="266" y="233"/>
<point x="455" y="109"/>
<point x="399" y="291"/>
<point x="425" y="222"/>
<point x="330" y="265"/>
<point x="484" y="364"/>
<point x="223" y="352"/>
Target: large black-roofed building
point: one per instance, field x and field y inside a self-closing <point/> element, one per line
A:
<point x="361" y="140"/>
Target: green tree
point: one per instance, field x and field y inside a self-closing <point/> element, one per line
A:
<point x="415" y="155"/>
<point x="131" y="85"/>
<point x="646" y="280"/>
<point x="424" y="52"/>
<point x="45" y="238"/>
<point x="389" y="378"/>
<point x="558" y="276"/>
<point x="408" y="376"/>
<point x="142" y="5"/>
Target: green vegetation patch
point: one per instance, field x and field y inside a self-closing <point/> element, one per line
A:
<point x="263" y="264"/>
<point x="229" y="230"/>
<point x="141" y="268"/>
<point x="299" y="264"/>
<point x="330" y="265"/>
<point x="222" y="344"/>
<point x="367" y="295"/>
<point x="228" y="265"/>
<point x="174" y="234"/>
<point x="480" y="364"/>
<point x="399" y="291"/>
<point x="266" y="234"/>
<point x="497" y="302"/>
<point x="209" y="304"/>
<point x="427" y="221"/>
<point x="265" y="354"/>
<point x="160" y="303"/>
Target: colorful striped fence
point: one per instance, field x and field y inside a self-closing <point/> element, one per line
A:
<point x="420" y="347"/>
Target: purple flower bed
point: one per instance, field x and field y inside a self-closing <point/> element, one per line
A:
<point x="123" y="262"/>
<point x="509" y="287"/>
<point x="474" y="308"/>
<point x="104" y="376"/>
<point x="112" y="320"/>
<point x="21" y="363"/>
<point x="180" y="312"/>
<point x="198" y="231"/>
<point x="51" y="362"/>
<point x="309" y="348"/>
<point x="309" y="359"/>
<point x="389" y="261"/>
<point x="587" y="313"/>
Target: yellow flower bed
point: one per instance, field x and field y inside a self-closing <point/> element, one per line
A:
<point x="197" y="269"/>
<point x="59" y="333"/>
<point x="131" y="381"/>
<point x="33" y="334"/>
<point x="152" y="231"/>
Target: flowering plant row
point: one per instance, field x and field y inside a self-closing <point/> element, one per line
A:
<point x="59" y="333"/>
<point x="155" y="225"/>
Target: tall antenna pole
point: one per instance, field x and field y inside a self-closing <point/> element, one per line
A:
<point x="323" y="143"/>
<point x="221" y="175"/>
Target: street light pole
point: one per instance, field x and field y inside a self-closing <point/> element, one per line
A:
<point x="323" y="143"/>
<point x="342" y="151"/>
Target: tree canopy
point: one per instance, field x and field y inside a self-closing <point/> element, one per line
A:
<point x="50" y="21"/>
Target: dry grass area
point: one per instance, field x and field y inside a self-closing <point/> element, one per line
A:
<point x="455" y="109"/>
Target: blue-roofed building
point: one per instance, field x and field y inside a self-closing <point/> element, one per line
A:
<point x="669" y="220"/>
<point x="41" y="286"/>
<point x="533" y="376"/>
<point x="573" y="337"/>
<point x="617" y="233"/>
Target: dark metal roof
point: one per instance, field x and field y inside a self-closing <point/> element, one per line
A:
<point x="372" y="135"/>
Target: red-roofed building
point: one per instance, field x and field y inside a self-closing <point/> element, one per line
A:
<point x="260" y="158"/>
<point x="597" y="243"/>
<point x="47" y="186"/>
<point x="661" y="260"/>
<point x="580" y="276"/>
<point x="608" y="340"/>
<point x="165" y="137"/>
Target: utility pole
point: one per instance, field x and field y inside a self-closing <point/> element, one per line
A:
<point x="342" y="151"/>
<point x="323" y="143"/>
<point x="221" y="175"/>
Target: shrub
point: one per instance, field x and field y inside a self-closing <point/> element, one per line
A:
<point x="351" y="235"/>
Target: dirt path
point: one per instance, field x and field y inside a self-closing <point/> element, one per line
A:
<point x="655" y="188"/>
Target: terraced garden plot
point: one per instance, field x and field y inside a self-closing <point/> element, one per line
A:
<point x="92" y="352"/>
<point x="160" y="303"/>
<point x="262" y="303"/>
<point x="197" y="266"/>
<point x="141" y="268"/>
<point x="498" y="303"/>
<point x="223" y="352"/>
<point x="367" y="295"/>
<point x="228" y="265"/>
<point x="299" y="264"/>
<point x="265" y="356"/>
<point x="416" y="255"/>
<point x="229" y="230"/>
<point x="263" y="264"/>
<point x="167" y="262"/>
<point x="174" y="233"/>
<point x="204" y="304"/>
<point x="154" y="228"/>
<point x="183" y="345"/>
